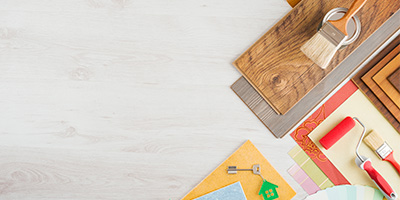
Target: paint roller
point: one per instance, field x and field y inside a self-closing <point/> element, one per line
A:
<point x="337" y="132"/>
<point x="363" y="162"/>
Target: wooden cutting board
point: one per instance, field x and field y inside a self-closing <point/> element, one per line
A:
<point x="275" y="66"/>
<point x="394" y="79"/>
<point x="380" y="79"/>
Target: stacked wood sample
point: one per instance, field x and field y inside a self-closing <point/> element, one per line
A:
<point x="381" y="79"/>
<point x="369" y="81"/>
<point x="275" y="66"/>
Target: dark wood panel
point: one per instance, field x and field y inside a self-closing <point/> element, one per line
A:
<point x="394" y="79"/>
<point x="278" y="70"/>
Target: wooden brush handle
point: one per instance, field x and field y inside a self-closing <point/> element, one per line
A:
<point x="341" y="23"/>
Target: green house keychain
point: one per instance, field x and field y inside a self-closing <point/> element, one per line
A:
<point x="268" y="190"/>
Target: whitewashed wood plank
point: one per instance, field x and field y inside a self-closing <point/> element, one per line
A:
<point x="104" y="99"/>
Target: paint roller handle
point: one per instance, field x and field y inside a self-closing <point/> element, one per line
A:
<point x="390" y="158"/>
<point x="341" y="23"/>
<point x="384" y="186"/>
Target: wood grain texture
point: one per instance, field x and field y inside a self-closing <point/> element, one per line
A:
<point x="380" y="79"/>
<point x="394" y="79"/>
<point x="125" y="99"/>
<point x="257" y="104"/>
<point x="278" y="70"/>
<point x="382" y="96"/>
<point x="280" y="125"/>
<point x="383" y="57"/>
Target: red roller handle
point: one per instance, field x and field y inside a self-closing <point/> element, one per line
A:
<point x="390" y="158"/>
<point x="379" y="180"/>
<point x="338" y="132"/>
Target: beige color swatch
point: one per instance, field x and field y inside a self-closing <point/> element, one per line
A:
<point x="342" y="154"/>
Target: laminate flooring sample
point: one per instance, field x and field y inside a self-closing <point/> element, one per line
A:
<point x="394" y="79"/>
<point x="277" y="68"/>
<point x="367" y="79"/>
<point x="380" y="79"/>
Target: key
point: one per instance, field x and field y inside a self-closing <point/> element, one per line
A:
<point x="256" y="170"/>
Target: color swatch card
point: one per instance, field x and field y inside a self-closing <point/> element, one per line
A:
<point x="243" y="158"/>
<point x="301" y="177"/>
<point x="230" y="192"/>
<point x="347" y="192"/>
<point x="310" y="168"/>
<point x="342" y="153"/>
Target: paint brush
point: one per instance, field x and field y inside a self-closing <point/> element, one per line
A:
<point x="384" y="151"/>
<point x="323" y="45"/>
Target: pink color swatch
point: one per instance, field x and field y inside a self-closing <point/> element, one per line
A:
<point x="303" y="179"/>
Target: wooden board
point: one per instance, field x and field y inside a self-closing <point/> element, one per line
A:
<point x="382" y="96"/>
<point x="280" y="125"/>
<point x="383" y="57"/>
<point x="394" y="79"/>
<point x="380" y="79"/>
<point x="278" y="70"/>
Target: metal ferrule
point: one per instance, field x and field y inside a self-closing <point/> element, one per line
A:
<point x="331" y="33"/>
<point x="361" y="138"/>
<point x="357" y="24"/>
<point x="384" y="150"/>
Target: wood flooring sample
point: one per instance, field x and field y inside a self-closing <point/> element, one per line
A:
<point x="394" y="79"/>
<point x="276" y="67"/>
<point x="384" y="56"/>
<point x="367" y="79"/>
<point x="380" y="79"/>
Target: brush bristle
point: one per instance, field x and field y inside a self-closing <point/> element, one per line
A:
<point x="374" y="140"/>
<point x="320" y="50"/>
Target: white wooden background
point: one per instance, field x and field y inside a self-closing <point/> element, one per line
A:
<point x="126" y="99"/>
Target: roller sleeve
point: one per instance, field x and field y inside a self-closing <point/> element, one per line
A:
<point x="336" y="133"/>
